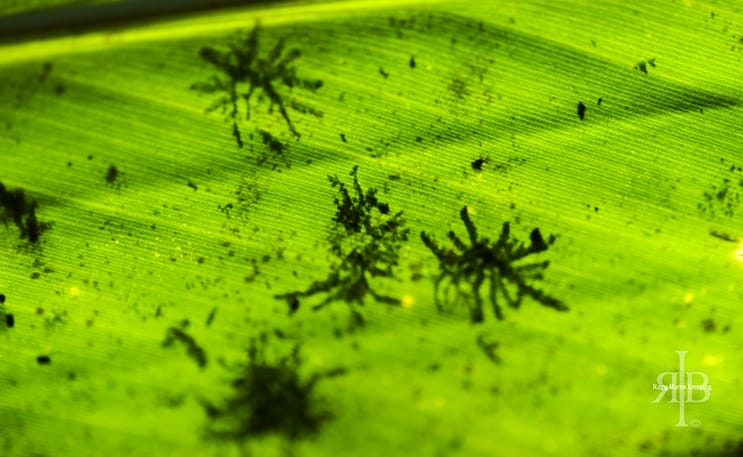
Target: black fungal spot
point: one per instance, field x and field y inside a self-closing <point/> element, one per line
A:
<point x="242" y="73"/>
<point x="21" y="210"/>
<point x="366" y="242"/>
<point x="478" y="163"/>
<point x="492" y="261"/>
<point x="599" y="101"/>
<point x="343" y="137"/>
<point x="581" y="110"/>
<point x="642" y="66"/>
<point x="9" y="320"/>
<point x="412" y="62"/>
<point x="723" y="236"/>
<point x="2" y="299"/>
<point x="270" y="398"/>
<point x="192" y="348"/>
<point x="43" y="360"/>
<point x="112" y="175"/>
<point x="293" y="302"/>
<point x="193" y="186"/>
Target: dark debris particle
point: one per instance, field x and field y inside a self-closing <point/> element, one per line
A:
<point x="210" y="318"/>
<point x="193" y="186"/>
<point x="194" y="350"/>
<point x="599" y="101"/>
<point x="412" y="62"/>
<point x="271" y="142"/>
<point x="112" y="175"/>
<point x="9" y="321"/>
<point x="708" y="325"/>
<point x="723" y="236"/>
<point x="384" y="74"/>
<point x="35" y="275"/>
<point x="43" y="360"/>
<point x="277" y="151"/>
<point x="489" y="348"/>
<point x="343" y="137"/>
<point x="477" y="164"/>
<point x="2" y="299"/>
<point x="293" y="302"/>
<point x="46" y="69"/>
<point x="642" y="66"/>
<point x="581" y="110"/>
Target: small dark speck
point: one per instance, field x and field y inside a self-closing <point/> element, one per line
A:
<point x="412" y="62"/>
<point x="477" y="164"/>
<point x="193" y="186"/>
<point x="90" y="157"/>
<point x="35" y="275"/>
<point x="343" y="137"/>
<point x="9" y="320"/>
<point x="43" y="360"/>
<point x="393" y="177"/>
<point x="45" y="70"/>
<point x="384" y="74"/>
<point x="599" y="101"/>
<point x="293" y="303"/>
<point x="581" y="110"/>
<point x="708" y="325"/>
<point x="112" y="174"/>
<point x="210" y="318"/>
<point x="69" y="164"/>
<point x="2" y="299"/>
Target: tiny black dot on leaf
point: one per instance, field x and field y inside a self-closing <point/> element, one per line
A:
<point x="43" y="360"/>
